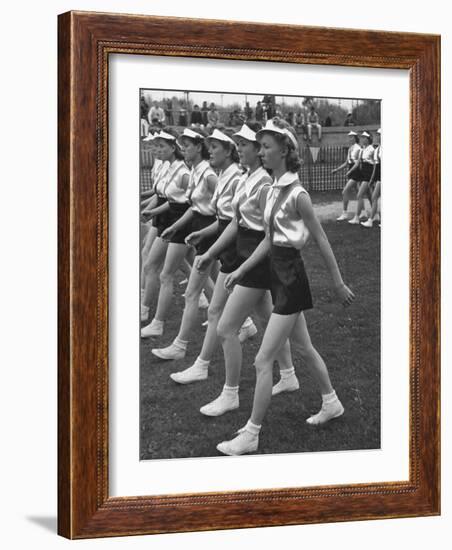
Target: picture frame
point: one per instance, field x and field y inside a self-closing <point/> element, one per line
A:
<point x="85" y="42"/>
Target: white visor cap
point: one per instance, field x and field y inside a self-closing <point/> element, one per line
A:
<point x="379" y="131"/>
<point x="164" y="135"/>
<point x="365" y="134"/>
<point x="352" y="133"/>
<point x="245" y="132"/>
<point x="271" y="127"/>
<point x="220" y="137"/>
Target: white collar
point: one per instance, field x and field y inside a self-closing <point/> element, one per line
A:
<point x="286" y="179"/>
<point x="232" y="168"/>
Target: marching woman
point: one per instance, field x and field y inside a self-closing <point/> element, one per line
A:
<point x="252" y="291"/>
<point x="171" y="191"/>
<point x="353" y="154"/>
<point x="289" y="219"/>
<point x="376" y="178"/>
<point x="223" y="157"/>
<point x="158" y="170"/>
<point x="365" y="167"/>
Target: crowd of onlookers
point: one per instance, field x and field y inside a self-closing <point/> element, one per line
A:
<point x="304" y="120"/>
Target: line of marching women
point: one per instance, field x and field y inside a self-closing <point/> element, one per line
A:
<point x="256" y="225"/>
<point x="363" y="176"/>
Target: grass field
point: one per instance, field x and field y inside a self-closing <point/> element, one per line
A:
<point x="348" y="339"/>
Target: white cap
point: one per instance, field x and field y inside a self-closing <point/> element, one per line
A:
<point x="220" y="137"/>
<point x="191" y="134"/>
<point x="352" y="133"/>
<point x="379" y="131"/>
<point x="246" y="133"/>
<point x="365" y="134"/>
<point x="271" y="127"/>
<point x="149" y="137"/>
<point x="164" y="135"/>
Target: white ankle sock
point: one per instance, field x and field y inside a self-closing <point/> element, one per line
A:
<point x="201" y="363"/>
<point x="287" y="373"/>
<point x="329" y="397"/>
<point x="181" y="344"/>
<point x="156" y="323"/>
<point x="253" y="428"/>
<point x="230" y="390"/>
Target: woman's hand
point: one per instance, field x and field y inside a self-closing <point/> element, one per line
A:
<point x="194" y="238"/>
<point x="344" y="294"/>
<point x="168" y="233"/>
<point x="202" y="262"/>
<point x="232" y="279"/>
<point x="334" y="171"/>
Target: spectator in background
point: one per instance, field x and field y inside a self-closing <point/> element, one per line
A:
<point x="259" y="112"/>
<point x="182" y="115"/>
<point x="349" y="120"/>
<point x="313" y="121"/>
<point x="169" y="112"/>
<point x="156" y="115"/>
<point x="204" y="111"/>
<point x="329" y="120"/>
<point x="290" y="118"/>
<point x="248" y="111"/>
<point x="196" y="117"/>
<point x="300" y="124"/>
<point x="144" y="124"/>
<point x="213" y="118"/>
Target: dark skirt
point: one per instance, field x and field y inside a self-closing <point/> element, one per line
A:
<point x="289" y="282"/>
<point x="199" y="221"/>
<point x="260" y="275"/>
<point x="160" y="219"/>
<point x="228" y="257"/>
<point x="176" y="211"/>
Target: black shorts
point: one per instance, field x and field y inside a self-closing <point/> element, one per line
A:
<point x="260" y="275"/>
<point x="377" y="172"/>
<point x="290" y="286"/>
<point x="199" y="221"/>
<point x="159" y="220"/>
<point x="355" y="174"/>
<point x="176" y="211"/>
<point x="366" y="171"/>
<point x="228" y="257"/>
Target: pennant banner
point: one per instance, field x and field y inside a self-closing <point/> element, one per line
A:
<point x="314" y="153"/>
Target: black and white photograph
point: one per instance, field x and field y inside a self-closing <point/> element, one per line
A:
<point x="260" y="219"/>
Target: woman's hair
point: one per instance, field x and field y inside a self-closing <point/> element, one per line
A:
<point x="370" y="138"/>
<point x="293" y="161"/>
<point x="177" y="150"/>
<point x="356" y="138"/>
<point x="233" y="150"/>
<point x="200" y="141"/>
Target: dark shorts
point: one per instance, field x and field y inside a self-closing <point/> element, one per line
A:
<point x="378" y="172"/>
<point x="289" y="282"/>
<point x="176" y="211"/>
<point x="260" y="275"/>
<point x="366" y="171"/>
<point x="199" y="221"/>
<point x="228" y="257"/>
<point x="160" y="219"/>
<point x="354" y="174"/>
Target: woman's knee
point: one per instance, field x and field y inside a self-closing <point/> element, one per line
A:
<point x="214" y="312"/>
<point x="304" y="351"/>
<point x="166" y="277"/>
<point x="263" y="363"/>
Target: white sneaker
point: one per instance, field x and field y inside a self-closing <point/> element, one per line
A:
<point x="206" y="322"/>
<point x="203" y="302"/>
<point x="194" y="373"/>
<point x="342" y="217"/>
<point x="244" y="442"/>
<point x="223" y="403"/>
<point x="329" y="410"/>
<point x="155" y="328"/>
<point x="246" y="332"/>
<point x="354" y="221"/>
<point x="368" y="223"/>
<point x="286" y="385"/>
<point x="171" y="352"/>
<point x="144" y="312"/>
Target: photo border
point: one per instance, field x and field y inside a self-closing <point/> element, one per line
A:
<point x="85" y="41"/>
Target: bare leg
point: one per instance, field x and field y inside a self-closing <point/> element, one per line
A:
<point x="149" y="239"/>
<point x="173" y="260"/>
<point x="153" y="267"/>
<point x="346" y="193"/>
<point x="217" y="304"/>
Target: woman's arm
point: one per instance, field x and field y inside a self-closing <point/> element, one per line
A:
<point x="223" y="241"/>
<point x="156" y="211"/>
<point x="306" y="211"/>
<point x="347" y="174"/>
<point x="259" y="254"/>
<point x="341" y="167"/>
